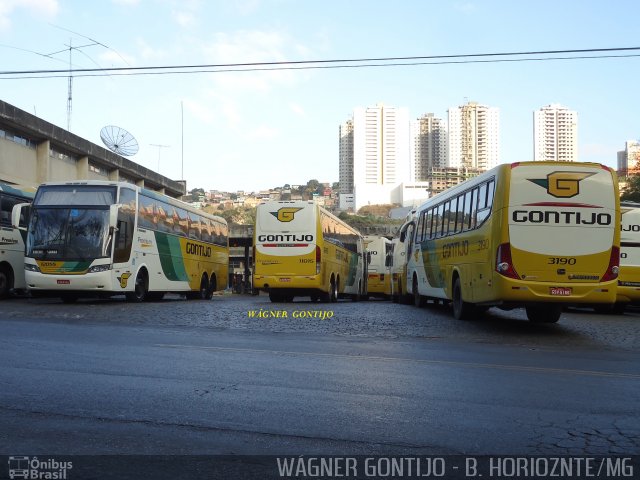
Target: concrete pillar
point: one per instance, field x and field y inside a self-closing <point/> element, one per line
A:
<point x="140" y="183"/>
<point x="161" y="190"/>
<point x="43" y="161"/>
<point x="82" y="168"/>
<point x="114" y="175"/>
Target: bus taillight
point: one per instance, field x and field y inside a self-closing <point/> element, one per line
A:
<point x="318" y="260"/>
<point x="613" y="268"/>
<point x="504" y="264"/>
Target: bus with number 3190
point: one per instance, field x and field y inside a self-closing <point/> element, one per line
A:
<point x="539" y="235"/>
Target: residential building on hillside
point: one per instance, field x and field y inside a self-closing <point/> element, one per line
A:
<point x="345" y="172"/>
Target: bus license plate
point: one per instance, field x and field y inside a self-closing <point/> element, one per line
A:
<point x="64" y="282"/>
<point x="285" y="279"/>
<point x="560" y="291"/>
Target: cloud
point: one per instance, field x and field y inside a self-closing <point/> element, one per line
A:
<point x="114" y="59"/>
<point x="297" y="109"/>
<point x="126" y="2"/>
<point x="252" y="47"/>
<point x="465" y="7"/>
<point x="184" y="19"/>
<point x="43" y="8"/>
<point x="263" y="132"/>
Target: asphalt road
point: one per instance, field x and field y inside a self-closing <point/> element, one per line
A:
<point x="188" y="377"/>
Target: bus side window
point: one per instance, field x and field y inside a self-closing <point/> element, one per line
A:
<point x="438" y="221"/>
<point x="467" y="211"/>
<point x="473" y="222"/>
<point x="460" y="214"/>
<point x="194" y="226"/>
<point x="484" y="207"/>
<point x="420" y="227"/>
<point x="427" y="225"/>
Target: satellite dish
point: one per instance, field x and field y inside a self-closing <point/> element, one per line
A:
<point x="118" y="140"/>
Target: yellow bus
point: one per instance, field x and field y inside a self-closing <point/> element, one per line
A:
<point x="380" y="257"/>
<point x="538" y="235"/>
<point x="303" y="250"/>
<point x="101" y="238"/>
<point x="12" y="240"/>
<point x="628" y="292"/>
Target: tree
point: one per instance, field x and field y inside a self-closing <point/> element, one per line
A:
<point x="632" y="192"/>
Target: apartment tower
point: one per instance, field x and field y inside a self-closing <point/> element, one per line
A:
<point x="555" y="134"/>
<point x="474" y="137"/>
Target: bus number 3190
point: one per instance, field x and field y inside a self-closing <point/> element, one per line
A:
<point x="561" y="261"/>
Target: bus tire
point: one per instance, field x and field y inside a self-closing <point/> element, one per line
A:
<point x="333" y="298"/>
<point x="358" y="295"/>
<point x="141" y="288"/>
<point x="6" y="281"/>
<point x="418" y="300"/>
<point x="275" y="297"/>
<point x="461" y="309"/>
<point x="213" y="285"/>
<point x="544" y="313"/>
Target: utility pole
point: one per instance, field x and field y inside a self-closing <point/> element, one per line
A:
<point x="160" y="147"/>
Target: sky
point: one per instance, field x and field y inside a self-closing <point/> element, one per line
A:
<point x="255" y="130"/>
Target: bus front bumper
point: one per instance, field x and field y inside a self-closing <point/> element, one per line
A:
<point x="60" y="284"/>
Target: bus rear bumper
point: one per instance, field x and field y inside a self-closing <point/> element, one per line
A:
<point x="287" y="282"/>
<point x="523" y="293"/>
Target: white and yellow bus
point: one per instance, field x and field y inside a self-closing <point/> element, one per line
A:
<point x="303" y="250"/>
<point x="101" y="238"/>
<point x="399" y="262"/>
<point x="538" y="235"/>
<point x="628" y="292"/>
<point x="380" y="258"/>
<point x="12" y="240"/>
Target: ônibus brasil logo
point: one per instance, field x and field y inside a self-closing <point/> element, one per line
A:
<point x="285" y="214"/>
<point x="562" y="184"/>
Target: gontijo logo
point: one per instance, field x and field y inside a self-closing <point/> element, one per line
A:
<point x="562" y="184"/>
<point x="285" y="214"/>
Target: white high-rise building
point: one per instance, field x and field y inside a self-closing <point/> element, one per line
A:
<point x="430" y="146"/>
<point x="474" y="136"/>
<point x="555" y="134"/>
<point x="346" y="158"/>
<point x="381" y="153"/>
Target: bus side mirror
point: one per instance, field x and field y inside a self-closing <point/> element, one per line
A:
<point x="368" y="258"/>
<point x="20" y="216"/>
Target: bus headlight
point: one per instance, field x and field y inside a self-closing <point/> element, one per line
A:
<point x="99" y="268"/>
<point x="31" y="268"/>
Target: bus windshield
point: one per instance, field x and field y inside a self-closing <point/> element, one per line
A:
<point x="68" y="234"/>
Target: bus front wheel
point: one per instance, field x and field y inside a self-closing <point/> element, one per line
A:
<point x="140" y="290"/>
<point x="544" y="313"/>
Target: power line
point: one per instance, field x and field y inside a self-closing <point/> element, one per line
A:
<point x="332" y="63"/>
